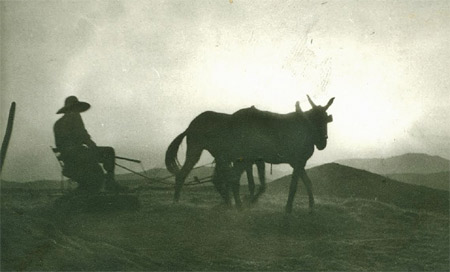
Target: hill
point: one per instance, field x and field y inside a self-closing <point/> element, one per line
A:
<point x="439" y="180"/>
<point x="345" y="182"/>
<point x="132" y="180"/>
<point x="350" y="230"/>
<point x="416" y="163"/>
<point x="32" y="185"/>
<point x="44" y="232"/>
<point x="152" y="173"/>
<point x="40" y="232"/>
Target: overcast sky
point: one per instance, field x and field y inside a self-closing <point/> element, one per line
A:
<point x="149" y="67"/>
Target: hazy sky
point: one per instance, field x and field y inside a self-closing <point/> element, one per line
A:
<point x="149" y="67"/>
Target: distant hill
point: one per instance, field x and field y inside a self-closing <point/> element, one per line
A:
<point x="32" y="185"/>
<point x="346" y="182"/>
<point x="162" y="173"/>
<point x="152" y="173"/>
<point x="414" y="163"/>
<point x="439" y="180"/>
<point x="131" y="179"/>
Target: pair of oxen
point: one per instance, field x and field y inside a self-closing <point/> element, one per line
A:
<point x="250" y="136"/>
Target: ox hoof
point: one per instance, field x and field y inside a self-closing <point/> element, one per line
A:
<point x="288" y="209"/>
<point x="221" y="207"/>
<point x="248" y="199"/>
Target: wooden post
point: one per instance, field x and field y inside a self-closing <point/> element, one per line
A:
<point x="8" y="133"/>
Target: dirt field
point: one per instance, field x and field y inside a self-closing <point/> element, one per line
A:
<point x="199" y="234"/>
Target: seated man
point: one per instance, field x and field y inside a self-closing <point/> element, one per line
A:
<point x="81" y="156"/>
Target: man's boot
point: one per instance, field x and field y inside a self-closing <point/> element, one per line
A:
<point x="112" y="185"/>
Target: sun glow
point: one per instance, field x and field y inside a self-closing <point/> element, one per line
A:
<point x="368" y="120"/>
<point x="252" y="79"/>
<point x="366" y="113"/>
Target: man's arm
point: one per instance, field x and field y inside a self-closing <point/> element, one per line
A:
<point x="82" y="133"/>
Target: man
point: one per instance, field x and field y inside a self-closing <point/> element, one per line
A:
<point x="80" y="153"/>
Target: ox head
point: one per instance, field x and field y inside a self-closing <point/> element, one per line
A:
<point x="319" y="119"/>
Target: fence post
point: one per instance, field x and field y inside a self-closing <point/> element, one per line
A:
<point x="9" y="127"/>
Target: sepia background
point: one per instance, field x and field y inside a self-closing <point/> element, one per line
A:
<point x="149" y="67"/>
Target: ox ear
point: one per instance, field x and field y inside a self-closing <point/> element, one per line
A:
<point x="330" y="118"/>
<point x="297" y="108"/>
<point x="311" y="102"/>
<point x="329" y="103"/>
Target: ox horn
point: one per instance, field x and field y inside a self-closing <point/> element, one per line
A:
<point x="297" y="107"/>
<point x="311" y="102"/>
<point x="329" y="103"/>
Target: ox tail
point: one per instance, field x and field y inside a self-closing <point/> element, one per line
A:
<point x="172" y="163"/>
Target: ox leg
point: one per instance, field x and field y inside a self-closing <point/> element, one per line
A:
<point x="222" y="180"/>
<point x="262" y="178"/>
<point x="218" y="181"/>
<point x="251" y="180"/>
<point x="236" y="173"/>
<point x="192" y="157"/>
<point x="292" y="189"/>
<point x="308" y="186"/>
<point x="228" y="182"/>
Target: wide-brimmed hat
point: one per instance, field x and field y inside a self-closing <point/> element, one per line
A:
<point x="73" y="104"/>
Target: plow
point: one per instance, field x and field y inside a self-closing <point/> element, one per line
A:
<point x="107" y="201"/>
<point x="163" y="180"/>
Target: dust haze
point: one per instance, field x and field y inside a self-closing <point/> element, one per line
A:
<point x="148" y="68"/>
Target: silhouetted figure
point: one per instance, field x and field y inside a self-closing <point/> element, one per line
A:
<point x="248" y="136"/>
<point x="80" y="154"/>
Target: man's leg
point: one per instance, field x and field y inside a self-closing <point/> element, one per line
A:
<point x="107" y="157"/>
<point x="86" y="169"/>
